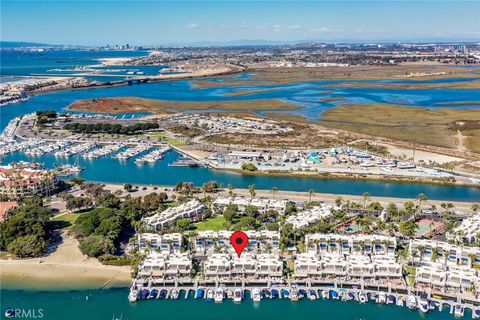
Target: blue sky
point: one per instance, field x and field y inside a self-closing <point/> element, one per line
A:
<point x="162" y="22"/>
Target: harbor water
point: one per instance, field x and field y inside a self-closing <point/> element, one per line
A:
<point x="307" y="95"/>
<point x="113" y="304"/>
<point x="110" y="170"/>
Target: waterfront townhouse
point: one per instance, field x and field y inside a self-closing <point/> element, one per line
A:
<point x="243" y="266"/>
<point x="360" y="266"/>
<point x="334" y="265"/>
<point x="430" y="250"/>
<point x="461" y="277"/>
<point x="208" y="242"/>
<point x="165" y="265"/>
<point x="349" y="244"/>
<point x="167" y="243"/>
<point x="19" y="183"/>
<point x="432" y="274"/>
<point x="269" y="265"/>
<point x="307" y="265"/>
<point x="167" y="217"/>
<point x="218" y="265"/>
<point x="387" y="267"/>
<point x="310" y="216"/>
<point x="248" y="266"/>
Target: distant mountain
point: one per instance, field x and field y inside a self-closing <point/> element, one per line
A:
<point x="15" y="44"/>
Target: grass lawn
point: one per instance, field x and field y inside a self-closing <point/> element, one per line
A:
<point x="411" y="274"/>
<point x="161" y="136"/>
<point x="66" y="221"/>
<point x="214" y="224"/>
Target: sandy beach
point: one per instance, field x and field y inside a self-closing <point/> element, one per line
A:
<point x="65" y="269"/>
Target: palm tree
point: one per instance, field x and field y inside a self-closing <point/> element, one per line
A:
<point x="421" y="199"/>
<point x="365" y="196"/>
<point x="310" y="194"/>
<point x="475" y="207"/>
<point x="251" y="190"/>
<point x="231" y="190"/>
<point x="434" y="254"/>
<point x="339" y="201"/>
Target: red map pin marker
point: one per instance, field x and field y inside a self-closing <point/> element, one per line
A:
<point x="239" y="241"/>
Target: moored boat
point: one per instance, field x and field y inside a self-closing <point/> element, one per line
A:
<point x="238" y="295"/>
<point x="412" y="302"/>
<point x="256" y="295"/>
<point x="210" y="295"/>
<point x="219" y="295"/>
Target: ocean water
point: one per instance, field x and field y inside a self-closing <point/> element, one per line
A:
<point x="113" y="303"/>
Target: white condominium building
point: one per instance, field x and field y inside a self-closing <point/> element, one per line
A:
<point x="438" y="251"/>
<point x="468" y="231"/>
<point x="167" y="217"/>
<point x="158" y="264"/>
<point x="442" y="276"/>
<point x="335" y="264"/>
<point x="263" y="205"/>
<point x="167" y="243"/>
<point x="208" y="242"/>
<point x="310" y="216"/>
<point x="350" y="244"/>
<point x="248" y="265"/>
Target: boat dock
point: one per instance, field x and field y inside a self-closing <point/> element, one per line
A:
<point x="214" y="291"/>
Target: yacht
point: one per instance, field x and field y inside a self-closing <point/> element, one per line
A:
<point x="210" y="295"/>
<point x="219" y="295"/>
<point x="412" y="302"/>
<point x="174" y="294"/>
<point x="238" y="295"/>
<point x="294" y="295"/>
<point x="312" y="294"/>
<point x="382" y="298"/>
<point x="256" y="295"/>
<point x="423" y="303"/>
<point x="324" y="294"/>
<point x="362" y="297"/>
<point x="476" y="313"/>
<point x="458" y="310"/>
<point x="133" y="296"/>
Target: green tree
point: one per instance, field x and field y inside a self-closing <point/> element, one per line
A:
<point x="95" y="246"/>
<point x="408" y="228"/>
<point x="27" y="246"/>
<point x="251" y="190"/>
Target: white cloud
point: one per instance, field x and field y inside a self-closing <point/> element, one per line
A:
<point x="325" y="30"/>
<point x="191" y="25"/>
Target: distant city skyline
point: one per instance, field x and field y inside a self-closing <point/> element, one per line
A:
<point x="161" y="23"/>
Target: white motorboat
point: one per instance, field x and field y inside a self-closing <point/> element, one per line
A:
<point x="362" y="297"/>
<point x="174" y="294"/>
<point x="412" y="302"/>
<point x="210" y="295"/>
<point x="219" y="295"/>
<point x="458" y="310"/>
<point x="238" y="295"/>
<point x="382" y="298"/>
<point x="256" y="295"/>
<point x="324" y="294"/>
<point x="423" y="303"/>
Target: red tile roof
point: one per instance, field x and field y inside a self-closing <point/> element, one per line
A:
<point x="5" y="207"/>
